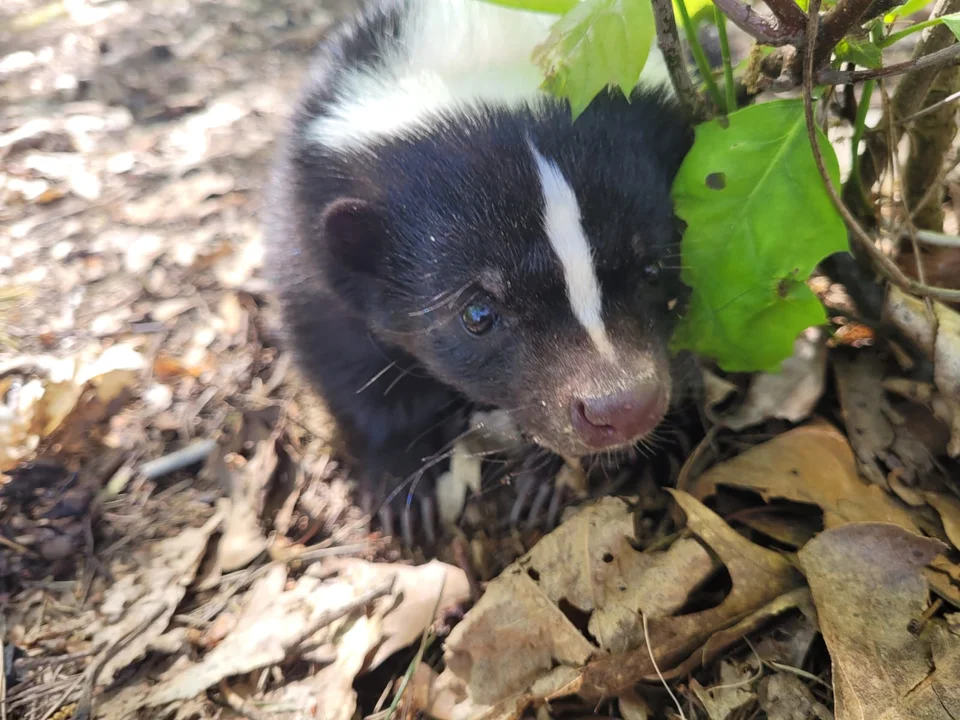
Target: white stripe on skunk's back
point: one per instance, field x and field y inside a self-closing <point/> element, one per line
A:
<point x="453" y="55"/>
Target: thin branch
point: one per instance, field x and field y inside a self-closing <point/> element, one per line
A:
<point x="791" y="17"/>
<point x="836" y="25"/>
<point x="882" y="263"/>
<point x="730" y="90"/>
<point x="929" y="237"/>
<point x="668" y="40"/>
<point x="933" y="108"/>
<point x="699" y="56"/>
<point x="841" y="77"/>
<point x="757" y="26"/>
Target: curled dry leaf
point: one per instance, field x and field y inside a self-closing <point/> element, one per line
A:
<point x="162" y="581"/>
<point x="42" y="405"/>
<point x="784" y="697"/>
<point x="867" y="584"/>
<point x="518" y="632"/>
<point x="879" y="436"/>
<point x="790" y="394"/>
<point x="319" y="619"/>
<point x="812" y="464"/>
<point x="731" y="694"/>
<point x="940" y="341"/>
<point x="518" y="644"/>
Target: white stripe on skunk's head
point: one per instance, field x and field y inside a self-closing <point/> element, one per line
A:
<point x="449" y="56"/>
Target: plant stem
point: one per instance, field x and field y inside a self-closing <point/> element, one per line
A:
<point x="669" y="43"/>
<point x="728" y="86"/>
<point x="896" y="37"/>
<point x="859" y="128"/>
<point x="699" y="55"/>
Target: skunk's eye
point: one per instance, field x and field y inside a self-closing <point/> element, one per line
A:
<point x="478" y="317"/>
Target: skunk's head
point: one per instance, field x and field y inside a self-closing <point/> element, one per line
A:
<point x="530" y="263"/>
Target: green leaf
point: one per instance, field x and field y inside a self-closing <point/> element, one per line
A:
<point x="860" y="51"/>
<point x="758" y="221"/>
<point x="696" y="8"/>
<point x="598" y="43"/>
<point x="554" y="7"/>
<point x="952" y="21"/>
<point x="906" y="10"/>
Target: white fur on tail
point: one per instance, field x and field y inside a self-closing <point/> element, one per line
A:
<point x="561" y="222"/>
<point x="453" y="55"/>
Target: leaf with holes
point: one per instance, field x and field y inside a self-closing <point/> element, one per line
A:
<point x="598" y="43"/>
<point x="758" y="219"/>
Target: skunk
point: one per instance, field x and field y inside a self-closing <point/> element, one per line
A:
<point x="443" y="237"/>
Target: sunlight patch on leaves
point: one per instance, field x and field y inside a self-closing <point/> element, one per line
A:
<point x="758" y="221"/>
<point x="598" y="43"/>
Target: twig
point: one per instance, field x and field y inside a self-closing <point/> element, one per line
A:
<point x="757" y="26"/>
<point x="236" y="703"/>
<point x="842" y="77"/>
<point x="929" y="237"/>
<point x="836" y="25"/>
<point x="883" y="264"/>
<point x="329" y="616"/>
<point x="933" y="108"/>
<point x="177" y="460"/>
<point x="789" y="14"/>
<point x="653" y="660"/>
<point x="730" y="91"/>
<point x="698" y="55"/>
<point x="668" y="40"/>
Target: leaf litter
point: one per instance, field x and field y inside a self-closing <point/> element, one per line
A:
<point x="179" y="539"/>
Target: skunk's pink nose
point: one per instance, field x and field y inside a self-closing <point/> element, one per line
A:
<point x="619" y="418"/>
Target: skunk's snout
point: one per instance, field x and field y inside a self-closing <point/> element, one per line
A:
<point x="621" y="417"/>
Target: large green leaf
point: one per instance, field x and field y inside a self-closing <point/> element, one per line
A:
<point x="758" y="221"/>
<point x="598" y="43"/>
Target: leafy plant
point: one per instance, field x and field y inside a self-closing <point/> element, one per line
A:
<point x="758" y="221"/>
<point x="760" y="204"/>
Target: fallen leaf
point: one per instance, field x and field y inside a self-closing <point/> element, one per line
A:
<point x="784" y="697"/>
<point x="277" y="622"/>
<point x="732" y="693"/>
<point x="811" y="464"/>
<point x="867" y="586"/>
<point x="790" y="394"/>
<point x="162" y="581"/>
<point x="948" y="507"/>
<point x="939" y="339"/>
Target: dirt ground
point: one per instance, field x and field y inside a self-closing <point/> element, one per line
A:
<point x="175" y="524"/>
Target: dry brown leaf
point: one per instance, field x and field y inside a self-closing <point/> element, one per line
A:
<point x="939" y="338"/>
<point x="790" y="394"/>
<point x="589" y="562"/>
<point x="518" y="632"/>
<point x="759" y="577"/>
<point x="948" y="507"/>
<point x="731" y="694"/>
<point x="811" y="464"/>
<point x="511" y="638"/>
<point x="784" y="697"/>
<point x="870" y="421"/>
<point x="52" y="399"/>
<point x="417" y="589"/>
<point x="867" y="585"/>
<point x="165" y="575"/>
<point x="276" y="623"/>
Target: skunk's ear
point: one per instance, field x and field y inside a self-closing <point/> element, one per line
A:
<point x="355" y="234"/>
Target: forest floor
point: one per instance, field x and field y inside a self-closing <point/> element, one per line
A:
<point x="177" y="540"/>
